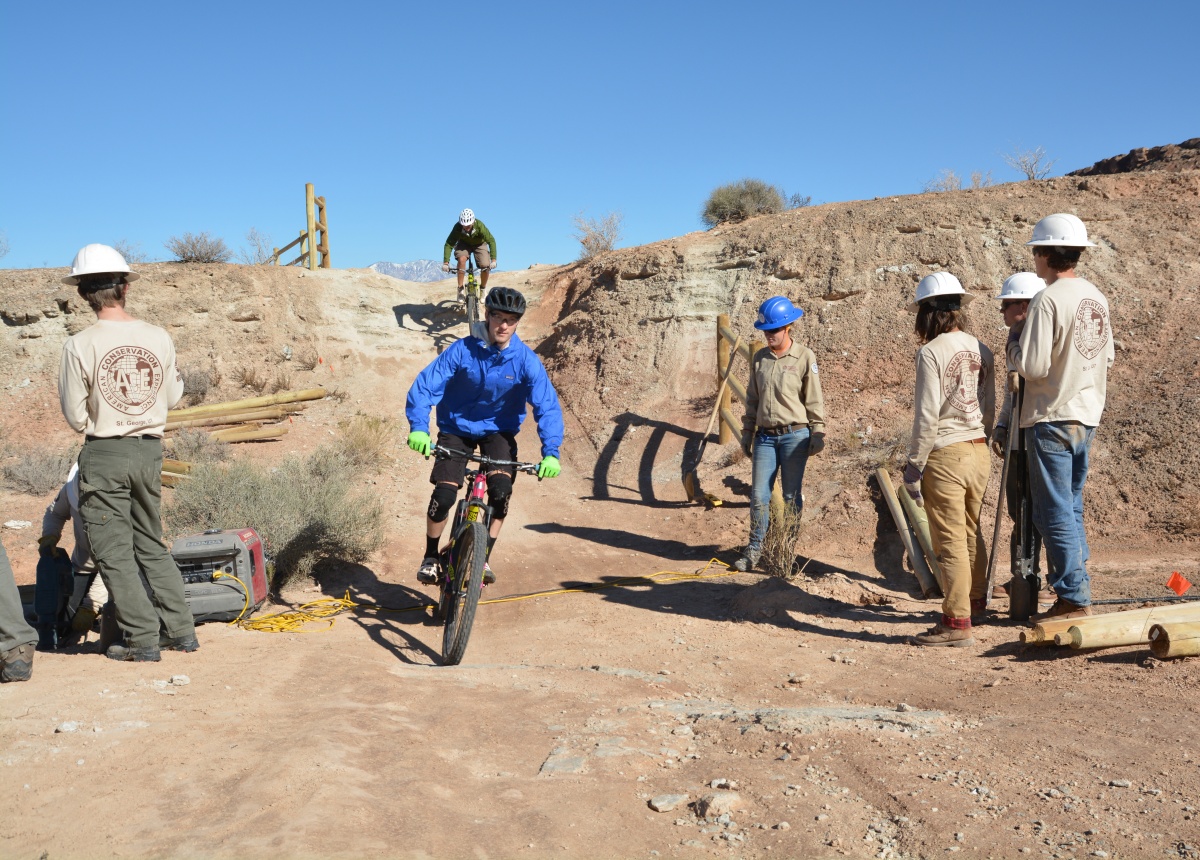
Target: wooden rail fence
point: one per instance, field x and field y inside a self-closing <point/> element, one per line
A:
<point x="317" y="226"/>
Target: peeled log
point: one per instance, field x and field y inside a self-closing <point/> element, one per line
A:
<point x="929" y="586"/>
<point x="1123" y="628"/>
<point x="920" y="526"/>
<point x="211" y="409"/>
<point x="273" y="413"/>
<point x="179" y="467"/>
<point x="1175" y="639"/>
<point x="255" y="435"/>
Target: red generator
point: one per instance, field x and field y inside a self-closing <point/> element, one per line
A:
<point x="236" y="553"/>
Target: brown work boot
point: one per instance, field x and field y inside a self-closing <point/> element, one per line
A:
<point x="946" y="636"/>
<point x="1061" y="609"/>
<point x="16" y="664"/>
<point x="978" y="609"/>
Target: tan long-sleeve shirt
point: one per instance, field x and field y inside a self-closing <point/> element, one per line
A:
<point x="784" y="390"/>
<point x="955" y="399"/>
<point x="119" y="378"/>
<point x="1064" y="353"/>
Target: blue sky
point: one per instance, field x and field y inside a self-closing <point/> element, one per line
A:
<point x="138" y="121"/>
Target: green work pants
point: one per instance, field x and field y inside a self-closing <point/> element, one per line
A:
<point x="14" y="629"/>
<point x="120" y="495"/>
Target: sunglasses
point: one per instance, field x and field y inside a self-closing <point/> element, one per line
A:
<point x="774" y="330"/>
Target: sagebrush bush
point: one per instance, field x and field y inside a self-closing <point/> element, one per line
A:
<point x="779" y="546"/>
<point x="308" y="510"/>
<point x="131" y="251"/>
<point x="40" y="471"/>
<point x="367" y="440"/>
<point x="195" y="445"/>
<point x="741" y="200"/>
<point x="198" y="248"/>
<point x="196" y="382"/>
<point x="597" y="235"/>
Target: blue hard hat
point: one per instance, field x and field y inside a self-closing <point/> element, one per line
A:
<point x="776" y="312"/>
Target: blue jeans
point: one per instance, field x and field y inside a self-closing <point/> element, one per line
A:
<point x="1057" y="453"/>
<point x="785" y="455"/>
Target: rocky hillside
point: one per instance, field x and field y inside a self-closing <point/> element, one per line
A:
<point x="635" y="341"/>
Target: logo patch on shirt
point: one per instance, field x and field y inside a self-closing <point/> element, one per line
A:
<point x="814" y="368"/>
<point x="129" y="378"/>
<point x="960" y="384"/>
<point x="1091" y="328"/>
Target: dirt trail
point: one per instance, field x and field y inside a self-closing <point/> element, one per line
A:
<point x="573" y="712"/>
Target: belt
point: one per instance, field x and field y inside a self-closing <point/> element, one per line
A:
<point x="115" y="438"/>
<point x="782" y="431"/>
<point x="979" y="441"/>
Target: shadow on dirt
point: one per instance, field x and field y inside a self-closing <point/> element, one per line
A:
<point x="386" y="610"/>
<point x="435" y="321"/>
<point x="619" y="539"/>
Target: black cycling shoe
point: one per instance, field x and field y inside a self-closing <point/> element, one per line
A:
<point x="489" y="576"/>
<point x="427" y="573"/>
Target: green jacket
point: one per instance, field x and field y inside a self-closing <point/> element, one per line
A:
<point x="476" y="238"/>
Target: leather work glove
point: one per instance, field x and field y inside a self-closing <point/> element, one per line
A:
<point x="493" y="266"/>
<point x="549" y="468"/>
<point x="47" y="544"/>
<point x="445" y="267"/>
<point x="912" y="483"/>
<point x="748" y="443"/>
<point x="419" y="442"/>
<point x="816" y="443"/>
<point x="999" y="440"/>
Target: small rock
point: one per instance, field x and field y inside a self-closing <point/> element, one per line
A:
<point x="668" y="802"/>
<point x="783" y="825"/>
<point x="905" y="707"/>
<point x="1099" y="853"/>
<point x="683" y="731"/>
<point x="180" y="680"/>
<point x="718" y="803"/>
<point x="67" y="727"/>
<point x="822" y="817"/>
<point x="1120" y="783"/>
<point x="17" y="524"/>
<point x="723" y="782"/>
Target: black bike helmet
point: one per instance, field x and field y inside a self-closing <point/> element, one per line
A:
<point x="505" y="299"/>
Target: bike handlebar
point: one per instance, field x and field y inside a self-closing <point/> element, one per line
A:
<point x="444" y="453"/>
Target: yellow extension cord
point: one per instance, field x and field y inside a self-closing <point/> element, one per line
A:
<point x="294" y="620"/>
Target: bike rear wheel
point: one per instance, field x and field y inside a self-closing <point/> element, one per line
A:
<point x="470" y="553"/>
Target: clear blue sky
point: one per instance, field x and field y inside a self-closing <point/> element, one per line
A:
<point x="141" y="120"/>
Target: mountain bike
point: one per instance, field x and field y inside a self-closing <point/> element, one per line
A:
<point x="460" y="563"/>
<point x="474" y="295"/>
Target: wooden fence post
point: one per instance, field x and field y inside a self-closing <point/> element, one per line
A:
<point x="322" y="233"/>
<point x="312" y="226"/>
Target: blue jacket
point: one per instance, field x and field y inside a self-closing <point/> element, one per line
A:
<point x="479" y="389"/>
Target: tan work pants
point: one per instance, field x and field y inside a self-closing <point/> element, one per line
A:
<point x="953" y="484"/>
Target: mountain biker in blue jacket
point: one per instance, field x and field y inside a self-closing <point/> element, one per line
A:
<point x="480" y="386"/>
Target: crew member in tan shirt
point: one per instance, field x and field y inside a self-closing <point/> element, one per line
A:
<point x="785" y="419"/>
<point x="948" y="464"/>
<point x="1063" y="350"/>
<point x="116" y="382"/>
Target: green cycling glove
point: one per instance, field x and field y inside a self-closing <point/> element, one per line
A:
<point x="419" y="442"/>
<point x="549" y="468"/>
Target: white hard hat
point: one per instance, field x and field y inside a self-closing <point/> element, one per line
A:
<point x="1022" y="285"/>
<point x="939" y="284"/>
<point x="98" y="260"/>
<point x="1063" y="229"/>
<point x="466" y="218"/>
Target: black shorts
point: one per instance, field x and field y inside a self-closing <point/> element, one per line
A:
<point x="498" y="446"/>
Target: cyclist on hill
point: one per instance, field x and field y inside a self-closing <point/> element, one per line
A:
<point x="468" y="237"/>
<point x="480" y="388"/>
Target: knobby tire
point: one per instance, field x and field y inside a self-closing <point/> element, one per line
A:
<point x="470" y="554"/>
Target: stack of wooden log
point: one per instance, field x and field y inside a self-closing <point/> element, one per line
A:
<point x="1170" y="631"/>
<point x="244" y="420"/>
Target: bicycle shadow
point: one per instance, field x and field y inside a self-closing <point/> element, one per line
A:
<point x="387" y="611"/>
<point x="435" y="320"/>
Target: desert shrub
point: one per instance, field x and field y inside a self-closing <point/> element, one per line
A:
<point x="779" y="546"/>
<point x="4" y="246"/>
<point x="596" y="235"/>
<point x="38" y="472"/>
<point x="198" y="248"/>
<point x="307" y="510"/>
<point x="307" y="359"/>
<point x="131" y="251"/>
<point x="253" y="378"/>
<point x="195" y="445"/>
<point x="196" y="382"/>
<point x="946" y="180"/>
<point x="979" y="179"/>
<point x="367" y="440"/>
<point x="258" y="250"/>
<point x="1031" y="163"/>
<point x="799" y="201"/>
<point x="741" y="200"/>
<point x="282" y="381"/>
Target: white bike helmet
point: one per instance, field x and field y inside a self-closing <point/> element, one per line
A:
<point x="466" y="218"/>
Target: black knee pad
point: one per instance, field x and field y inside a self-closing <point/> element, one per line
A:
<point x="500" y="489"/>
<point x="441" y="503"/>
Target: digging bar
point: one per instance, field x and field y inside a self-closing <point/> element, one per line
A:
<point x="691" y="479"/>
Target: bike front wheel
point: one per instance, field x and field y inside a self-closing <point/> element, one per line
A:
<point x="470" y="553"/>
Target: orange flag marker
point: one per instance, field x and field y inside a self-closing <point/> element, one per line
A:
<point x="1178" y="583"/>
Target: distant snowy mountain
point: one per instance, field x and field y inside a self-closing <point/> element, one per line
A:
<point x="421" y="271"/>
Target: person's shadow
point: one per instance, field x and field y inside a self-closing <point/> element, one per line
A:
<point x="435" y="320"/>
